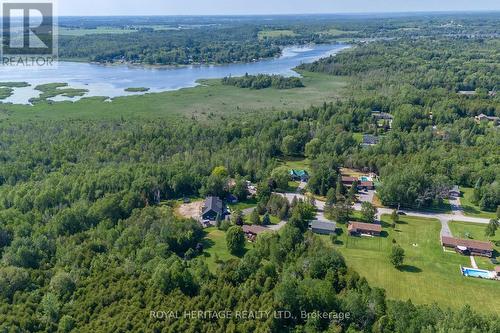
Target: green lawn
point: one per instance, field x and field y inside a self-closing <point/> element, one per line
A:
<point x="429" y="274"/>
<point x="297" y="163"/>
<point x="215" y="246"/>
<point x="250" y="203"/>
<point x="276" y="34"/>
<point x="476" y="231"/>
<point x="210" y="100"/>
<point x="292" y="186"/>
<point x="274" y="219"/>
<point x="471" y="209"/>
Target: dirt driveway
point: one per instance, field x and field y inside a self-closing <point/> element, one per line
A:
<point x="190" y="210"/>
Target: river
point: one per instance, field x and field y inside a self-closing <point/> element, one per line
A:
<point x="112" y="80"/>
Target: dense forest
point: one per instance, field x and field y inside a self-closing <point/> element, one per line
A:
<point x="208" y="45"/>
<point x="207" y="40"/>
<point x="87" y="242"/>
<point x="262" y="81"/>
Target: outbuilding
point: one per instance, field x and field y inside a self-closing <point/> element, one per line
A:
<point x="322" y="227"/>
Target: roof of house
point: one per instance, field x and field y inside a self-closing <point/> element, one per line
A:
<point x="298" y="173"/>
<point x="497" y="269"/>
<point x="348" y="179"/>
<point x="455" y="188"/>
<point x="359" y="226"/>
<point x="366" y="184"/>
<point x="382" y="115"/>
<point x="213" y="204"/>
<point x="468" y="243"/>
<point x="330" y="226"/>
<point x="467" y="92"/>
<point x="254" y="229"/>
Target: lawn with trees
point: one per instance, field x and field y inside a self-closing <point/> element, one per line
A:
<point x="428" y="274"/>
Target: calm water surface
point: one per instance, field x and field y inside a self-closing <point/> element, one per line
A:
<point x="111" y="81"/>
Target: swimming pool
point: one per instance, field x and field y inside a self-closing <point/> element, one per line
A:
<point x="478" y="273"/>
<point x="365" y="179"/>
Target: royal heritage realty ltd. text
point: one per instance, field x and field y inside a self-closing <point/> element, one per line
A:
<point x="246" y="315"/>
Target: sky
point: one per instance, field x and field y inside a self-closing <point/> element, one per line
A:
<point x="247" y="7"/>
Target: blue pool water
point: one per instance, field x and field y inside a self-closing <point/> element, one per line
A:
<point x="476" y="273"/>
<point x="364" y="179"/>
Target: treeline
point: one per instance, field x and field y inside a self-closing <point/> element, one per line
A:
<point x="201" y="40"/>
<point x="173" y="47"/>
<point x="424" y="63"/>
<point x="263" y="81"/>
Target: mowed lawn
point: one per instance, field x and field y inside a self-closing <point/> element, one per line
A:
<point x="297" y="163"/>
<point x="476" y="231"/>
<point x="471" y="209"/>
<point x="429" y="275"/>
<point x="209" y="100"/>
<point x="276" y="34"/>
<point x="216" y="249"/>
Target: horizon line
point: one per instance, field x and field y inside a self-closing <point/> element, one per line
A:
<point x="456" y="11"/>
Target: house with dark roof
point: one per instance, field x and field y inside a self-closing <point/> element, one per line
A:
<point x="323" y="228"/>
<point x="468" y="246"/>
<point x="212" y="208"/>
<point x="299" y="175"/>
<point x="358" y="229"/>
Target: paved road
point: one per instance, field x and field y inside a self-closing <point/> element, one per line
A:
<point x="456" y="215"/>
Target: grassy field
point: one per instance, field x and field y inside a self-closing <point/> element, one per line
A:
<point x="276" y="34"/>
<point x="297" y="164"/>
<point x="250" y="203"/>
<point x="471" y="209"/>
<point x="476" y="231"/>
<point x="215" y="247"/>
<point x="337" y="32"/>
<point x="210" y="99"/>
<point x="428" y="275"/>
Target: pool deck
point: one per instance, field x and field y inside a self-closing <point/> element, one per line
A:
<point x="491" y="275"/>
